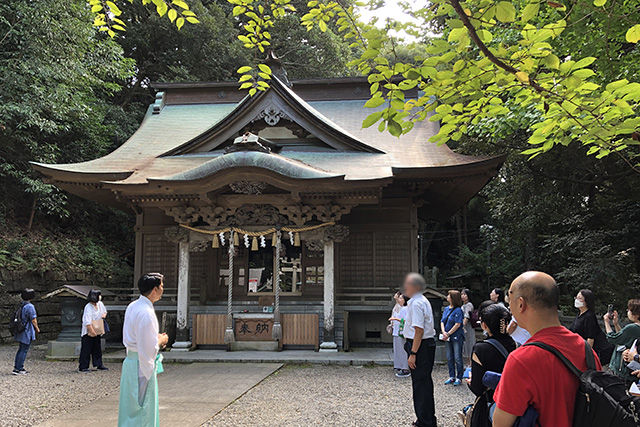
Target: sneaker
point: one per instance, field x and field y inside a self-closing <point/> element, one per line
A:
<point x="16" y="372"/>
<point x="23" y="371"/>
<point x="457" y="382"/>
<point x="84" y="370"/>
<point x="449" y="381"/>
<point x="102" y="368"/>
<point x="403" y="373"/>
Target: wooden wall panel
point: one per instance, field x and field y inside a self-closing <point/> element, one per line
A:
<point x="300" y="329"/>
<point x="208" y="329"/>
<point x="160" y="256"/>
<point x="392" y="259"/>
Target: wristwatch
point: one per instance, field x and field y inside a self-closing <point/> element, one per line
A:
<point x="636" y="358"/>
<point x="413" y="353"/>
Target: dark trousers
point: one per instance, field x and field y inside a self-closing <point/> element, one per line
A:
<point x="422" y="383"/>
<point x="90" y="349"/>
<point x="21" y="356"/>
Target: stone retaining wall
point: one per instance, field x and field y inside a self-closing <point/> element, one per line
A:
<point x="12" y="282"/>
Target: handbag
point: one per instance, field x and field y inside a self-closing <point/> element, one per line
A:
<point x="98" y="326"/>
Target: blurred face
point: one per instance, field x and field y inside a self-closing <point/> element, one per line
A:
<point x="400" y="300"/>
<point x="631" y="317"/>
<point x="465" y="297"/>
<point x="449" y="299"/>
<point x="409" y="288"/>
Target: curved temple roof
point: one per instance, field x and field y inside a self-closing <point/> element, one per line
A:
<point x="183" y="133"/>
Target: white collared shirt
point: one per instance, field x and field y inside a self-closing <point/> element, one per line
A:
<point x="420" y="314"/>
<point x="90" y="314"/>
<point x="140" y="334"/>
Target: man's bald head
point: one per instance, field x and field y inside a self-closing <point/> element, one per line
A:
<point x="538" y="289"/>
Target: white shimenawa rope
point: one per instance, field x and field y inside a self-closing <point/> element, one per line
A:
<point x="228" y="333"/>
<point x="277" y="327"/>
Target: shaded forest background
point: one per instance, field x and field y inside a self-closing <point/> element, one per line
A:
<point x="69" y="94"/>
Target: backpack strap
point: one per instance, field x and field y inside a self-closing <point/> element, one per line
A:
<point x="498" y="346"/>
<point x="591" y="361"/>
<point x="577" y="372"/>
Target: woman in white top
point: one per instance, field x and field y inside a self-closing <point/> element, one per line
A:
<point x="91" y="347"/>
<point x="469" y="332"/>
<point x="398" y="315"/>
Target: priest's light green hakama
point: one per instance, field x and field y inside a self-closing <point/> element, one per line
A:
<point x="130" y="413"/>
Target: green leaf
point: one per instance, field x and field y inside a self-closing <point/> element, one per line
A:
<point x="181" y="4"/>
<point x="530" y="11"/>
<point x="599" y="3"/>
<point x="244" y="69"/>
<point x="172" y="15"/>
<point x="584" y="62"/>
<point x="372" y="119"/>
<point x="113" y="8"/>
<point x="374" y="102"/>
<point x="322" y="25"/>
<point x="192" y="20"/>
<point x="264" y="68"/>
<point x="505" y="11"/>
<point x="394" y="128"/>
<point x="179" y="22"/>
<point x="633" y="34"/>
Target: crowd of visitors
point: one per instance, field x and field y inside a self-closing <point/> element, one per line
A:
<point x="525" y="370"/>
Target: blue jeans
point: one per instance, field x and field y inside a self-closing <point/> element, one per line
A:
<point x="454" y="358"/>
<point x="21" y="356"/>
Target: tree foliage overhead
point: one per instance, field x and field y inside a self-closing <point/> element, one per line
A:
<point x="490" y="52"/>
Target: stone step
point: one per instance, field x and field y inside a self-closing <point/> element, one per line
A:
<point x="254" y="346"/>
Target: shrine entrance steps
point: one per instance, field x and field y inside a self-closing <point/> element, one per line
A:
<point x="357" y="356"/>
<point x="254" y="346"/>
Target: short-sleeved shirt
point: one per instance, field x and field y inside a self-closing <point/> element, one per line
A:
<point x="533" y="376"/>
<point x="420" y="314"/>
<point x="90" y="314"/>
<point x="28" y="313"/>
<point x="451" y="316"/>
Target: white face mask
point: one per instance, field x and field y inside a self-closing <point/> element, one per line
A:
<point x="578" y="304"/>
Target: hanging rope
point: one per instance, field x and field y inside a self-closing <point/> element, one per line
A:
<point x="258" y="233"/>
<point x="228" y="333"/>
<point x="277" y="327"/>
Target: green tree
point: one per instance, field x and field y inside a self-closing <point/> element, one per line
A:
<point x="489" y="51"/>
<point x="56" y="75"/>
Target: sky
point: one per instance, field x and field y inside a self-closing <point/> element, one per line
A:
<point x="393" y="10"/>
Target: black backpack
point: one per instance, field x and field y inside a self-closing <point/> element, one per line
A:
<point x="16" y="325"/>
<point x="602" y="399"/>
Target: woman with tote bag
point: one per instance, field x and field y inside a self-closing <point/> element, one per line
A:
<point x="92" y="331"/>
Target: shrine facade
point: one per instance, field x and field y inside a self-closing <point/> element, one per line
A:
<point x="276" y="218"/>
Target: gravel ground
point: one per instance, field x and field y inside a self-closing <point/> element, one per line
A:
<point x="49" y="389"/>
<point x="297" y="395"/>
<point x="344" y="396"/>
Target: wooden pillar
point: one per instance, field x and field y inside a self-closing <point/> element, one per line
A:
<point x="137" y="262"/>
<point x="182" y="326"/>
<point x="328" y="341"/>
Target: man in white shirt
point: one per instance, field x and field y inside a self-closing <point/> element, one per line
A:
<point x="421" y="348"/>
<point x="141" y="337"/>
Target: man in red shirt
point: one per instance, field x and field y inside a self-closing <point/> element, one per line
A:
<point x="532" y="375"/>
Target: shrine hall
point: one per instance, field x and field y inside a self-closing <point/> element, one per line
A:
<point x="277" y="220"/>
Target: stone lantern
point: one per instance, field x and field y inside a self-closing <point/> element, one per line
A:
<point x="72" y="299"/>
